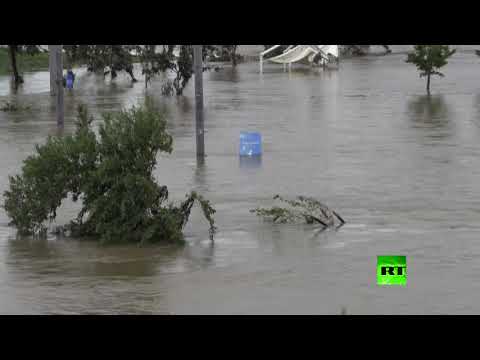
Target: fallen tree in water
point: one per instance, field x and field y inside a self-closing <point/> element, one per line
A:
<point x="303" y="209"/>
<point x="112" y="174"/>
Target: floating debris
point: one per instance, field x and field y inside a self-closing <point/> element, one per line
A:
<point x="303" y="209"/>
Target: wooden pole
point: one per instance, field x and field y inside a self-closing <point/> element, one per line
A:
<point x="200" y="127"/>
<point x="59" y="85"/>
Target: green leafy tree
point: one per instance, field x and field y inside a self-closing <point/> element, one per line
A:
<point x="106" y="59"/>
<point x="112" y="175"/>
<point x="154" y="62"/>
<point x="429" y="59"/>
<point x="183" y="68"/>
<point x="156" y="59"/>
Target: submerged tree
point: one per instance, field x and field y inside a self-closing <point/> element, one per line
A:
<point x="13" y="50"/>
<point x="429" y="59"/>
<point x="106" y="59"/>
<point x="112" y="175"/>
<point x="154" y="62"/>
<point x="111" y="59"/>
<point x="183" y="68"/>
<point x="231" y="52"/>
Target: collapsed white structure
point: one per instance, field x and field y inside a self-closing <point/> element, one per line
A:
<point x="302" y="53"/>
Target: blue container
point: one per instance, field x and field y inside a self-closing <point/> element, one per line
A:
<point x="250" y="144"/>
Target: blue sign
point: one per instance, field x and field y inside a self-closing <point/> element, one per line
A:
<point x="250" y="144"/>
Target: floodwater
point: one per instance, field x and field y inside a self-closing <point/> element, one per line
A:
<point x="402" y="169"/>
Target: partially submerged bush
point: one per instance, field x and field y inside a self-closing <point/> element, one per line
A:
<point x="167" y="88"/>
<point x="8" y="106"/>
<point x="112" y="175"/>
<point x="303" y="209"/>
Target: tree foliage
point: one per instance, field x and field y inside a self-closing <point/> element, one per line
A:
<point x="106" y="59"/>
<point x="429" y="59"/>
<point x="13" y="50"/>
<point x="154" y="59"/>
<point x="228" y="53"/>
<point x="112" y="175"/>
<point x="183" y="68"/>
<point x="155" y="62"/>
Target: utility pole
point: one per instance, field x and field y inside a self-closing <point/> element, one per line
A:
<point x="56" y="80"/>
<point x="200" y="127"/>
<point x="52" y="66"/>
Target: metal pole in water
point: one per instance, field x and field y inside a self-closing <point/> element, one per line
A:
<point x="59" y="87"/>
<point x="52" y="67"/>
<point x="200" y="127"/>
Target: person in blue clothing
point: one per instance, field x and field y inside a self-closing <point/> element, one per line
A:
<point x="70" y="79"/>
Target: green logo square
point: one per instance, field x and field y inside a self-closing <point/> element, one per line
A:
<point x="392" y="270"/>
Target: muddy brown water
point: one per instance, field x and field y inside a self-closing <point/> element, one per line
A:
<point x="401" y="168"/>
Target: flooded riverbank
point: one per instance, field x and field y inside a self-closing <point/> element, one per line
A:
<point x="401" y="168"/>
